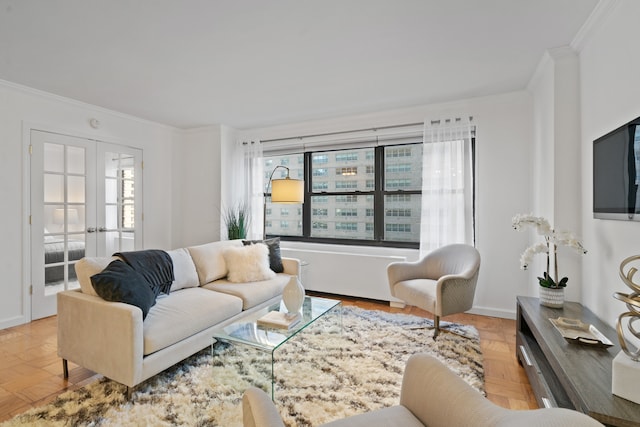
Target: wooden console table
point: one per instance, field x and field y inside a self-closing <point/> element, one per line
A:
<point x="569" y="375"/>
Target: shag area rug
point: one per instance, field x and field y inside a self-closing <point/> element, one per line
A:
<point x="321" y="375"/>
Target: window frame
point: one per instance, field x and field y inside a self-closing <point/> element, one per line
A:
<point x="378" y="193"/>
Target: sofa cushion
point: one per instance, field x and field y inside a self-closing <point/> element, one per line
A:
<point x="184" y="270"/>
<point x="209" y="261"/>
<point x="119" y="282"/>
<point x="184" y="313"/>
<point x="87" y="267"/>
<point x="248" y="263"/>
<point x="251" y="293"/>
<point x="275" y="256"/>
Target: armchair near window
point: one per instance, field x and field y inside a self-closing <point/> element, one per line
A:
<point x="443" y="282"/>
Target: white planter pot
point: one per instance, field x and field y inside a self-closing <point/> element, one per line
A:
<point x="551" y="297"/>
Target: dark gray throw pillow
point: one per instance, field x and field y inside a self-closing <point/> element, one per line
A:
<point x="119" y="282"/>
<point x="275" y="257"/>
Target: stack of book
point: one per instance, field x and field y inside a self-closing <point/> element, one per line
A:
<point x="278" y="319"/>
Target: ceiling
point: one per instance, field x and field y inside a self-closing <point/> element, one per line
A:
<point x="254" y="63"/>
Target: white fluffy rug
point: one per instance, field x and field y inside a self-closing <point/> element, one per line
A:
<point x="321" y="375"/>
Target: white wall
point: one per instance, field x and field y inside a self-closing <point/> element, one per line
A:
<point x="610" y="97"/>
<point x="22" y="107"/>
<point x="556" y="165"/>
<point x="503" y="180"/>
<point x="196" y="187"/>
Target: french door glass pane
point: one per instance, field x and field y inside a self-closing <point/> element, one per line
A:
<point x="75" y="189"/>
<point x="76" y="160"/>
<point x="111" y="190"/>
<point x="53" y="158"/>
<point x="53" y="188"/>
<point x="111" y="217"/>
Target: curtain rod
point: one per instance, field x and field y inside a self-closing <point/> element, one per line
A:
<point x="433" y="122"/>
<point x="341" y="132"/>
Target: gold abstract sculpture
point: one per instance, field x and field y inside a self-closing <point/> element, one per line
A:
<point x="632" y="300"/>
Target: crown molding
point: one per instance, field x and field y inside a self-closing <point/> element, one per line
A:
<point x="595" y="20"/>
<point x="75" y="103"/>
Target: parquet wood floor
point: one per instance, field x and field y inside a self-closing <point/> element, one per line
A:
<point x="31" y="371"/>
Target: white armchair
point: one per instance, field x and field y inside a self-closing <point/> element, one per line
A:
<point x="431" y="395"/>
<point x="443" y="282"/>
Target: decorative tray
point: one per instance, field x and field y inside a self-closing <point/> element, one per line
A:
<point x="574" y="330"/>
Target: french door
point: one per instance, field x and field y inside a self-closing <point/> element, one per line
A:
<point x="85" y="201"/>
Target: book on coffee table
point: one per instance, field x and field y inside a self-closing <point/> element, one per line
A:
<point x="278" y="319"/>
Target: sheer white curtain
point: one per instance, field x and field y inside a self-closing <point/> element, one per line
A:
<point x="447" y="184"/>
<point x="248" y="184"/>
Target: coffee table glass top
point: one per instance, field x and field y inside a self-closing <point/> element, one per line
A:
<point x="246" y="331"/>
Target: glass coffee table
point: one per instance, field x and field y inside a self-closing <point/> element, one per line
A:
<point x="245" y="331"/>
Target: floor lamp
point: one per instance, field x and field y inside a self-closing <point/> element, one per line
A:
<point x="283" y="190"/>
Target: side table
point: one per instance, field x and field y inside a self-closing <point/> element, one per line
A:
<point x="570" y="375"/>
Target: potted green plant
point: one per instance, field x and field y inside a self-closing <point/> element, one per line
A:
<point x="236" y="219"/>
<point x="551" y="286"/>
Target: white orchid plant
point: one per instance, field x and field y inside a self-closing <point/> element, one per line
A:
<point x="552" y="240"/>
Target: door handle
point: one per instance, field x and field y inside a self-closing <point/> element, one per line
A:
<point x="91" y="230"/>
<point x="102" y="229"/>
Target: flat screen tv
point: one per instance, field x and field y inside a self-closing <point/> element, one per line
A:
<point x="616" y="173"/>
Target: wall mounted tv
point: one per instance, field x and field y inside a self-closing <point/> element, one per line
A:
<point x="616" y="173"/>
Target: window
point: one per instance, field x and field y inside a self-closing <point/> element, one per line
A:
<point x="351" y="171"/>
<point x="398" y="212"/>
<point x="402" y="228"/>
<point x="281" y="219"/>
<point x="346" y="185"/>
<point x="346" y="199"/>
<point x="346" y="212"/>
<point x="365" y="196"/>
<point x="321" y="185"/>
<point x="345" y="206"/>
<point x="320" y="158"/>
<point x="398" y="167"/>
<point x="345" y="157"/>
<point x="346" y="226"/>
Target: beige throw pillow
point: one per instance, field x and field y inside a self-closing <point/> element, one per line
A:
<point x="248" y="263"/>
<point x="209" y="260"/>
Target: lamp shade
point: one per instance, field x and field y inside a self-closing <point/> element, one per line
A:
<point x="287" y="190"/>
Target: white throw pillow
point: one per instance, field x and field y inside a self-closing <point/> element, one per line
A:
<point x="248" y="263"/>
<point x="184" y="270"/>
<point x="209" y="261"/>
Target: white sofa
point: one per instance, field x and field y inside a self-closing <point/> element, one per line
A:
<point x="111" y="338"/>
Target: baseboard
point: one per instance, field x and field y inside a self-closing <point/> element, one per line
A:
<point x="492" y="312"/>
<point x="13" y="321"/>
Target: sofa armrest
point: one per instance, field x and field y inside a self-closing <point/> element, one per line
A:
<point x="292" y="266"/>
<point x="105" y="337"/>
